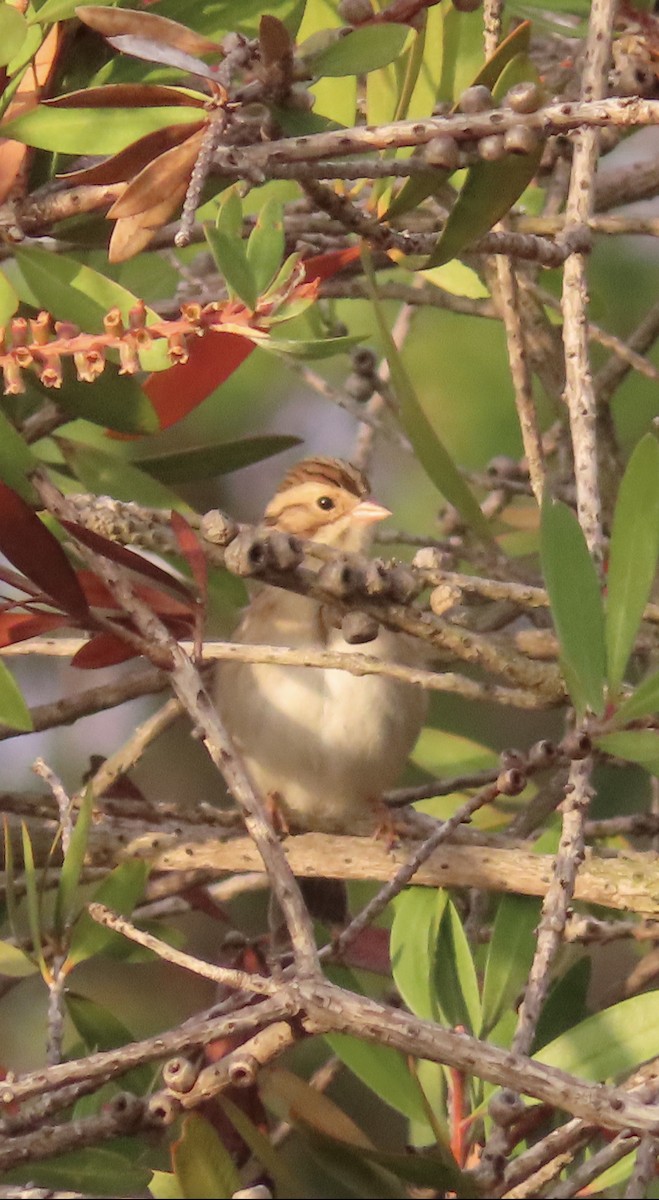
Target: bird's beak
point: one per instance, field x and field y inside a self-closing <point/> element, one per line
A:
<point x="368" y="511"/>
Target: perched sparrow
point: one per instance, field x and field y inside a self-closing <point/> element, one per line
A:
<point x="322" y="744"/>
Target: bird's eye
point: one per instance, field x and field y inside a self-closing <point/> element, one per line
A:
<point x="325" y="502"/>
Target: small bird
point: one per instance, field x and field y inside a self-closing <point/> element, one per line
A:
<point x="322" y="745"/>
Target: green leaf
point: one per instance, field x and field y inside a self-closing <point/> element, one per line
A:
<point x="360" y="51"/>
<point x="608" y="1043"/>
<point x="644" y="701"/>
<point x="14" y="963"/>
<point x="203" y="1166"/>
<point x="120" y="891"/>
<point x="231" y="259"/>
<point x="164" y="1185"/>
<point x="383" y="1070"/>
<point x="312" y="348"/>
<point x="16" y="460"/>
<point x="67" y="900"/>
<point x="32" y="900"/>
<point x="633" y="555"/>
<point x="262" y="1148"/>
<point x="566" y="1004"/>
<point x="431" y="452"/>
<point x="418" y="913"/>
<point x="108" y="475"/>
<point x="8" y="297"/>
<point x="443" y="753"/>
<point x="220" y="458"/>
<point x="509" y="956"/>
<point x="489" y="191"/>
<point x="265" y="247"/>
<point x="93" y="130"/>
<point x="576" y="604"/>
<point x="638" y="746"/>
<point x="74" y="292"/>
<point x="454" y="974"/>
<point x="93" y="1169"/>
<point x="112" y="401"/>
<point x="13" y="30"/>
<point x="13" y="709"/>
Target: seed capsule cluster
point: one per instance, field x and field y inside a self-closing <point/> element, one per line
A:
<point x="443" y="152"/>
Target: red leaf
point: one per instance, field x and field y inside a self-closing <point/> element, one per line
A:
<point x="213" y="358"/>
<point x="196" y="560"/>
<point x="18" y="627"/>
<point x="127" y="558"/>
<point x="323" y="266"/>
<point x="103" y="650"/>
<point x="31" y="547"/>
<point x="127" y="95"/>
<point x="192" y="552"/>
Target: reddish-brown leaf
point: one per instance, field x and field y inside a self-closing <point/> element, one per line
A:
<point x="194" y="556"/>
<point x="127" y="558"/>
<point x="114" y="22"/>
<point x="274" y="39"/>
<point x="19" y="626"/>
<point x="323" y="266"/>
<point x="192" y="552"/>
<point x="103" y="650"/>
<point x="157" y="182"/>
<point x="133" y="158"/>
<point x="212" y="359"/>
<point x="31" y="547"/>
<point x="132" y="234"/>
<point x="127" y="95"/>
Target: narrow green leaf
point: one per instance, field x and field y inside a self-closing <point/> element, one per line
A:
<point x="221" y="458"/>
<point x="13" y="30"/>
<point x="644" y="702"/>
<point x="231" y="259"/>
<point x="418" y="913"/>
<point x="67" y="899"/>
<point x="120" y="891"/>
<point x="576" y="605"/>
<point x="32" y="900"/>
<point x="432" y="454"/>
<point x="106" y="474"/>
<point x="93" y="1170"/>
<point x="93" y="130"/>
<point x="383" y="1070"/>
<point x="10" y="886"/>
<point x="509" y="957"/>
<point x="13" y="709"/>
<point x="566" y="1004"/>
<point x="265" y="247"/>
<point x="14" y="963"/>
<point x="635" y="745"/>
<point x="113" y="401"/>
<point x="609" y="1043"/>
<point x="16" y="460"/>
<point x="360" y="51"/>
<point x="312" y="348"/>
<point x="489" y="191"/>
<point x="633" y="555"/>
<point x="203" y="1166"/>
<point x="8" y="297"/>
<point x="454" y="974"/>
<point x="262" y="1148"/>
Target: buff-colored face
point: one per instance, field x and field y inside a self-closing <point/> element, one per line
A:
<point x="326" y="501"/>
